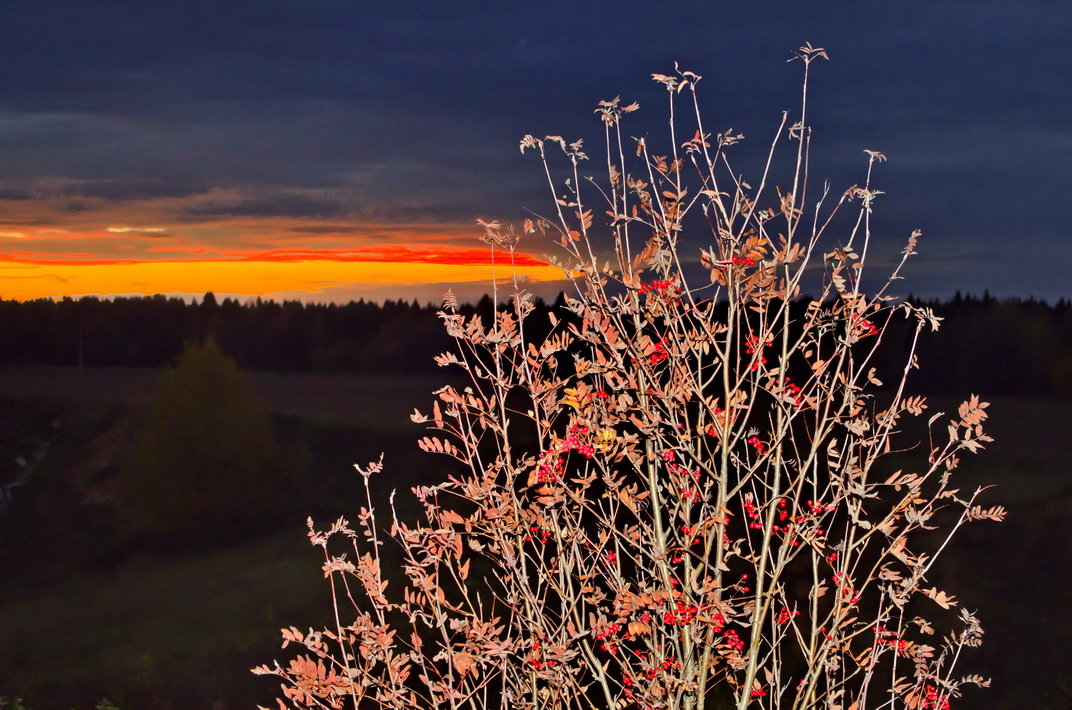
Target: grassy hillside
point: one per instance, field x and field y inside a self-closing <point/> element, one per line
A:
<point x="160" y="632"/>
<point x="151" y="630"/>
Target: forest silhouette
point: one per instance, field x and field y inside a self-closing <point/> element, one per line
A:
<point x="998" y="347"/>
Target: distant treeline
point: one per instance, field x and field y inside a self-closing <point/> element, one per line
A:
<point x="992" y="347"/>
<point x="260" y="335"/>
<point x="986" y="345"/>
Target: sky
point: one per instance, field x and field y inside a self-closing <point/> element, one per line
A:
<point x="328" y="150"/>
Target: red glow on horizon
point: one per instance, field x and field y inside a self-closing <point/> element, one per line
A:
<point x="459" y="256"/>
<point x="456" y="256"/>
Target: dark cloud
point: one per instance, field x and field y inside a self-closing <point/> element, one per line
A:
<point x="277" y="205"/>
<point x="127" y="190"/>
<point x="329" y="229"/>
<point x="16" y="194"/>
<point x="415" y="116"/>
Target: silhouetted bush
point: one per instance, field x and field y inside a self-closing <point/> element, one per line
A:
<point x="204" y="463"/>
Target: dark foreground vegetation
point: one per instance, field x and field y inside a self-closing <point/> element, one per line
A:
<point x="999" y="347"/>
<point x="155" y="575"/>
<point x="87" y="612"/>
<point x="153" y="542"/>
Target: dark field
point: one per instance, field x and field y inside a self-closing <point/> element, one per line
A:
<point x="148" y="629"/>
<point x="79" y="622"/>
<point x="373" y="402"/>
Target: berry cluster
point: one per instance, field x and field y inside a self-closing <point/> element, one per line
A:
<point x="605" y="635"/>
<point x="751" y="345"/>
<point x="732" y="640"/>
<point x="864" y="327"/>
<point x="681" y="615"/>
<point x="785" y="616"/>
<point x="757" y="444"/>
<point x="660" y="354"/>
<point x="888" y="637"/>
<point x="661" y="287"/>
<point x="931" y="702"/>
<point x="844" y="584"/>
<point x="536" y="660"/>
<point x="536" y="532"/>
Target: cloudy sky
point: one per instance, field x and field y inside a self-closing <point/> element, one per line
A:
<point x="334" y="149"/>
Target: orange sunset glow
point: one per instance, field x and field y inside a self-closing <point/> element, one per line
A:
<point x="254" y="258"/>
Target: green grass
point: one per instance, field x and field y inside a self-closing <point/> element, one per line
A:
<point x="183" y="630"/>
<point x="1030" y="459"/>
<point x="163" y="632"/>
<point x="167" y="631"/>
<point x="371" y="402"/>
<point x="1016" y="574"/>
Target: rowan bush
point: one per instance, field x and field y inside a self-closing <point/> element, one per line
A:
<point x="684" y="494"/>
